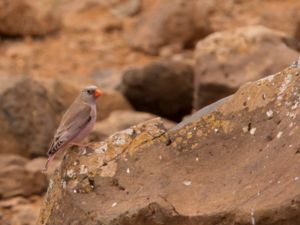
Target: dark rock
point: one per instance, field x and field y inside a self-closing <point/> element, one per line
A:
<point x="162" y="88"/>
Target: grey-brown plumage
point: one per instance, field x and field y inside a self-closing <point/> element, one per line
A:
<point x="76" y="123"/>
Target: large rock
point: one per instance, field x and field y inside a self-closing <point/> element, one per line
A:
<point x="31" y="109"/>
<point x="19" y="176"/>
<point x="169" y="22"/>
<point x="121" y="120"/>
<point x="162" y="88"/>
<point x="280" y="15"/>
<point x="226" y="60"/>
<point x="27" y="17"/>
<point x="236" y="162"/>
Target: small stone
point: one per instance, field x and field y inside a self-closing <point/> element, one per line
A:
<point x="101" y="149"/>
<point x="114" y="204"/>
<point x="279" y="134"/>
<point x="296" y="178"/>
<point x="129" y="131"/>
<point x="269" y="113"/>
<point x="128" y="171"/>
<point x="245" y="129"/>
<point x="252" y="131"/>
<point x="187" y="182"/>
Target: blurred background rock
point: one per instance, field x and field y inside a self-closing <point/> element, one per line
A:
<point x="151" y="57"/>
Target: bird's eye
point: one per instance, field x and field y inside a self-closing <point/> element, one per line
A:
<point x="89" y="92"/>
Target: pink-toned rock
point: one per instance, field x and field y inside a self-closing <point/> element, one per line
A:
<point x="225" y="60"/>
<point x="27" y="17"/>
<point x="168" y="22"/>
<point x="20" y="177"/>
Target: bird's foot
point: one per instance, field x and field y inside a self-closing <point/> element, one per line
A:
<point x="50" y="158"/>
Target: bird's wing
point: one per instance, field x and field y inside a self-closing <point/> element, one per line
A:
<point x="73" y="121"/>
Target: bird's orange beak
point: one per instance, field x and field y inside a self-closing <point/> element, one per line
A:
<point x="98" y="93"/>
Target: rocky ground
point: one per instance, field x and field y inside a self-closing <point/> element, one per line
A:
<point x="234" y="162"/>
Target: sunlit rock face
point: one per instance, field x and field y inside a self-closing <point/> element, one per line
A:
<point x="227" y="59"/>
<point x="237" y="163"/>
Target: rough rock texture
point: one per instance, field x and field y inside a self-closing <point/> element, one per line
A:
<point x="280" y="15"/>
<point x="162" y="88"/>
<point x="236" y="164"/>
<point x="19" y="176"/>
<point x="19" y="210"/>
<point x="121" y="120"/>
<point x="31" y="109"/>
<point x="169" y="22"/>
<point x="225" y="60"/>
<point x="27" y="17"/>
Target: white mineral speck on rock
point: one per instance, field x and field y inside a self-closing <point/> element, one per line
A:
<point x="75" y="191"/>
<point x="114" y="204"/>
<point x="285" y="83"/>
<point x="83" y="169"/>
<point x="296" y="178"/>
<point x="63" y="184"/>
<point x="187" y="182"/>
<point x="197" y="159"/>
<point x="252" y="131"/>
<point x="101" y="149"/>
<point x="119" y="140"/>
<point x="50" y="183"/>
<point x="84" y="151"/>
<point x="269" y="113"/>
<point x="70" y="173"/>
<point x="252" y="217"/>
<point x="216" y="130"/>
<point x="129" y="131"/>
<point x="279" y="134"/>
<point x="295" y="105"/>
<point x="160" y="157"/>
<point x="128" y="171"/>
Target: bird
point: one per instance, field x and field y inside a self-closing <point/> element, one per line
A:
<point x="76" y="123"/>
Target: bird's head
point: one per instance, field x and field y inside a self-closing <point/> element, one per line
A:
<point x="90" y="94"/>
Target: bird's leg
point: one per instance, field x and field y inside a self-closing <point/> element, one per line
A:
<point x="50" y="158"/>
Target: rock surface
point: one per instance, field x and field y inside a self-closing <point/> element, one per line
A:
<point x="19" y="210"/>
<point x="237" y="164"/>
<point x="21" y="177"/>
<point x="162" y="88"/>
<point x="169" y="22"/>
<point x="121" y="120"/>
<point x="27" y="17"/>
<point x="225" y="60"/>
